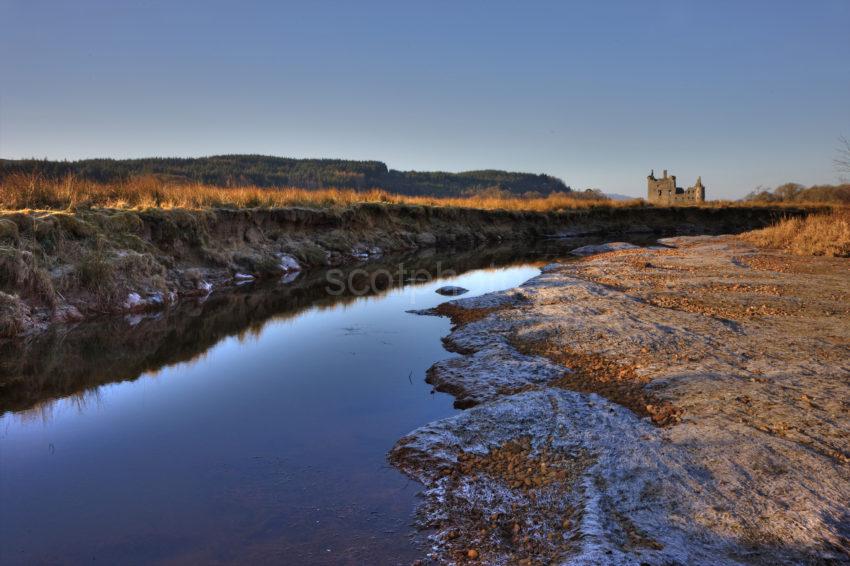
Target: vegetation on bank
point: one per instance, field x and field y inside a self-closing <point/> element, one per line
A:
<point x="267" y="171"/>
<point x="74" y="249"/>
<point x="816" y="234"/>
<point x="36" y="192"/>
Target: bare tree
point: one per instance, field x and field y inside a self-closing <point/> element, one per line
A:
<point x="842" y="160"/>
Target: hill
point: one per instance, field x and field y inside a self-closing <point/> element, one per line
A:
<point x="268" y="171"/>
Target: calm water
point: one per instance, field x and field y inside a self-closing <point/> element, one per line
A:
<point x="252" y="427"/>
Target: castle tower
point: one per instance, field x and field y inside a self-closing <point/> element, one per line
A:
<point x="699" y="190"/>
<point x="661" y="191"/>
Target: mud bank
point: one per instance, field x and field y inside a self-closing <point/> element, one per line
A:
<point x="58" y="267"/>
<point x="648" y="406"/>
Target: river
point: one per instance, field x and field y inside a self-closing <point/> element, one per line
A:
<point x="250" y="427"/>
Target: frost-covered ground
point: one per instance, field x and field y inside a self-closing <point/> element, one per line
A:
<point x="688" y="405"/>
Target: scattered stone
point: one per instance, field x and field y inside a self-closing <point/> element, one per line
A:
<point x="133" y="301"/>
<point x="289" y="277"/>
<point x="426" y="239"/>
<point x="289" y="264"/>
<point x="362" y="251"/>
<point x="451" y="290"/>
<point x="66" y="314"/>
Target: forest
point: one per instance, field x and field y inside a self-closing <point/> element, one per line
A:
<point x="269" y="171"/>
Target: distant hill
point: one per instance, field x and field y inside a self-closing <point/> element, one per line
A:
<point x="267" y="171"/>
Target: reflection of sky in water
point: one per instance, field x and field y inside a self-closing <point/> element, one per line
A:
<point x="269" y="447"/>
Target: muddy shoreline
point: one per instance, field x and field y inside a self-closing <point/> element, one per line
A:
<point x="61" y="267"/>
<point x="686" y="405"/>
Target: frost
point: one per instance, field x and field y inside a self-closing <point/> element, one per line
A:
<point x="601" y="248"/>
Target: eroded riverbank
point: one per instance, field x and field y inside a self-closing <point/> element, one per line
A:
<point x="59" y="267"/>
<point x="669" y="405"/>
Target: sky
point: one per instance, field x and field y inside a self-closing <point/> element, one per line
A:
<point x="745" y="93"/>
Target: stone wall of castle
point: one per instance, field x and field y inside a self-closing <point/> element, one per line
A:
<point x="665" y="191"/>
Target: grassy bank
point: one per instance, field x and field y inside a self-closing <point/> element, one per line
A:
<point x="34" y="192"/>
<point x="71" y="249"/>
<point x="19" y="192"/>
<point x="817" y="234"/>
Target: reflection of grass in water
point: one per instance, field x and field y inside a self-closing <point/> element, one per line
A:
<point x="65" y="363"/>
<point x="44" y="411"/>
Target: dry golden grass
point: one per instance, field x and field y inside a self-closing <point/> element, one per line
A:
<point x="817" y="234"/>
<point x="27" y="192"/>
<point x="19" y="192"/>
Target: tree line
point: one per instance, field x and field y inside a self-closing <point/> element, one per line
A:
<point x="268" y="171"/>
<point x="795" y="192"/>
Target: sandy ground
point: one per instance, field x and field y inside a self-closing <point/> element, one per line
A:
<point x="678" y="405"/>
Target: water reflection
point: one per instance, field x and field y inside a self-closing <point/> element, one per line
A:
<point x="250" y="427"/>
<point x="68" y="362"/>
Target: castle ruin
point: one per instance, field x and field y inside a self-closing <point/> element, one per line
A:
<point x="665" y="191"/>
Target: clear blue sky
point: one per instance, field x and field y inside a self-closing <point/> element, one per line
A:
<point x="742" y="92"/>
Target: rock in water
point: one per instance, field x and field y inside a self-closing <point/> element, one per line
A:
<point x="451" y="290"/>
<point x="289" y="264"/>
<point x="426" y="239"/>
<point x="602" y="248"/>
